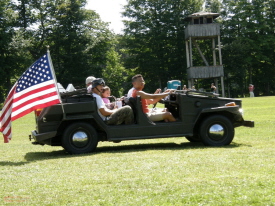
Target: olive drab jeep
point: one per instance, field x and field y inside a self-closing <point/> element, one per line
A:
<point x="76" y="126"/>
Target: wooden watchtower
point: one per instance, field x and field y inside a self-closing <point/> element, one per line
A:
<point x="202" y="26"/>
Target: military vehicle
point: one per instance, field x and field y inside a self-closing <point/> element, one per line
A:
<point x="76" y="126"/>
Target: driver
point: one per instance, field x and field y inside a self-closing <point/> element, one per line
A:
<point x="146" y="99"/>
<point x="116" y="116"/>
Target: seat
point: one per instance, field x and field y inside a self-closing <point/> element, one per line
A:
<point x="139" y="117"/>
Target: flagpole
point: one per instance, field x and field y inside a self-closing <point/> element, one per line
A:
<point x="55" y="81"/>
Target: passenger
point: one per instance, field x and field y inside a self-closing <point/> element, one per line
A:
<point x="106" y="92"/>
<point x="89" y="83"/>
<point x="115" y="116"/>
<point x="147" y="99"/>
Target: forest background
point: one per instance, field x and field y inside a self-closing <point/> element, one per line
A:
<point x="152" y="44"/>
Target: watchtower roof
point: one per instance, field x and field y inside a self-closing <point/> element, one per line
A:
<point x="202" y="14"/>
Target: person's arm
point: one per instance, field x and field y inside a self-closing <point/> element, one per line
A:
<point x="153" y="98"/>
<point x="153" y="101"/>
<point x="102" y="108"/>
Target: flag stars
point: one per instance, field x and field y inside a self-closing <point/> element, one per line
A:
<point x="39" y="72"/>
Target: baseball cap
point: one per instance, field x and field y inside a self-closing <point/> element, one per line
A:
<point x="98" y="81"/>
<point x="90" y="79"/>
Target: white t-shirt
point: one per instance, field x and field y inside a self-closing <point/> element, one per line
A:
<point x="130" y="92"/>
<point x="100" y="104"/>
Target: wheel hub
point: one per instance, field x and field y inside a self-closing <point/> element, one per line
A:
<point x="80" y="139"/>
<point x="216" y="131"/>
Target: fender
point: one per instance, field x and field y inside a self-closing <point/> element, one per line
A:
<point x="237" y="115"/>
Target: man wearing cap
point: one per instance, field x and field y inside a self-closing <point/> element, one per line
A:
<point x="115" y="116"/>
<point x="89" y="83"/>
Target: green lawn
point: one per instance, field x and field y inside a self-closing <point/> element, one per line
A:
<point x="168" y="171"/>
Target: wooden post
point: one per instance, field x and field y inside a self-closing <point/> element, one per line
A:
<point x="189" y="83"/>
<point x="190" y="47"/>
<point x="202" y="56"/>
<point x="222" y="84"/>
<point x="220" y="56"/>
<point x="220" y="49"/>
<point x="214" y="52"/>
<point x="217" y="85"/>
<point x="187" y="54"/>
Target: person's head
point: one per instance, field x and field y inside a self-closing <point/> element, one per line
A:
<point x="138" y="82"/>
<point x="106" y="91"/>
<point x="89" y="80"/>
<point x="97" y="85"/>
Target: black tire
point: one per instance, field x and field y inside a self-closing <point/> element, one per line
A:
<point x="79" y="138"/>
<point x="217" y="130"/>
<point x="195" y="138"/>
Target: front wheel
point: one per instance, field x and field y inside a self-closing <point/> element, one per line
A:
<point x="217" y="130"/>
<point x="79" y="138"/>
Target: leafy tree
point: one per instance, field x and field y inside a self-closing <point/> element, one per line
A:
<point x="213" y="6"/>
<point x="249" y="22"/>
<point x="78" y="39"/>
<point x="114" y="74"/>
<point x="13" y="52"/>
<point x="155" y="38"/>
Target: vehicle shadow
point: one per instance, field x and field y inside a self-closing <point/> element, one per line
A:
<point x="148" y="146"/>
<point x="41" y="156"/>
<point x="159" y="146"/>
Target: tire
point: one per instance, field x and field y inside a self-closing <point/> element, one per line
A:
<point x="195" y="138"/>
<point x="79" y="138"/>
<point x="217" y="130"/>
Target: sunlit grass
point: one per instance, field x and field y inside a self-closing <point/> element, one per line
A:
<point x="168" y="171"/>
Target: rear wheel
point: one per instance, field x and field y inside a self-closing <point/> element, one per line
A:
<point x="79" y="138"/>
<point x="217" y="130"/>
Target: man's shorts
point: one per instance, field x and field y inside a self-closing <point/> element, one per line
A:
<point x="155" y="116"/>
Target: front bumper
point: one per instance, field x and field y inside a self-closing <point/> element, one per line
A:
<point x="247" y="123"/>
<point x="43" y="136"/>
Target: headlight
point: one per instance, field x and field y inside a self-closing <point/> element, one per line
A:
<point x="241" y="111"/>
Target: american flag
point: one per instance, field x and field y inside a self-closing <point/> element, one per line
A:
<point x="36" y="89"/>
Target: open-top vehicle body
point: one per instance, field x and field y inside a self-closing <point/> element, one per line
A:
<point x="76" y="126"/>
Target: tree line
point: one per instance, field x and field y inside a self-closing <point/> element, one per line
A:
<point x="152" y="44"/>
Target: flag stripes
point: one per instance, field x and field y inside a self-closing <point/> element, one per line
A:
<point x="35" y="89"/>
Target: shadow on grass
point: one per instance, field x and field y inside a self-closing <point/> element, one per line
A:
<point x="41" y="156"/>
<point x="116" y="148"/>
<point x="159" y="146"/>
<point x="5" y="163"/>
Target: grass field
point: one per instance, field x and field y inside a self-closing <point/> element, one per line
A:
<point x="169" y="171"/>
